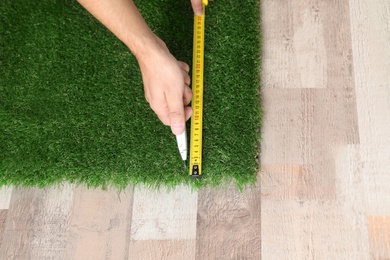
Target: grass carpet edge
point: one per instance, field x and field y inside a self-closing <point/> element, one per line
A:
<point x="35" y="172"/>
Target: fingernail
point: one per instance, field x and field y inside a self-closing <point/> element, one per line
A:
<point x="198" y="12"/>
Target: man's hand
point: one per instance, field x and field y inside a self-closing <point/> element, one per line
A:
<point x="165" y="79"/>
<point x="197" y="6"/>
<point x="166" y="84"/>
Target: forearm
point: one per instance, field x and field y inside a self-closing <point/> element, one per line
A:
<point x="123" y="19"/>
<point x="166" y="80"/>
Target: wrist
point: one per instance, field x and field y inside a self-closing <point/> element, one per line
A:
<point x="144" y="48"/>
<point x="149" y="50"/>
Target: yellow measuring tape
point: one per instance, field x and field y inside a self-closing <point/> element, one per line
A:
<point x="197" y="98"/>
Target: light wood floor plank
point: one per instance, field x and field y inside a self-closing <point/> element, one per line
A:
<point x="351" y="201"/>
<point x="164" y="224"/>
<point x="5" y="197"/>
<point x="379" y="236"/>
<point x="99" y="226"/>
<point x="37" y="223"/>
<point x="18" y="231"/>
<point x="164" y="215"/>
<point x="302" y="43"/>
<point x="3" y="218"/>
<point x="298" y="228"/>
<point x="371" y="51"/>
<point x="306" y="209"/>
<point x="301" y="131"/>
<point x="162" y="249"/>
<point x="306" y="119"/>
<point x="228" y="225"/>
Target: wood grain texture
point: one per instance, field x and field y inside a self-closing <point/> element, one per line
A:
<point x="294" y="227"/>
<point x="370" y="27"/>
<point x="99" y="227"/>
<point x="3" y="218"/>
<point x="5" y="197"/>
<point x="163" y="214"/>
<point x="379" y="236"/>
<point x="325" y="151"/>
<point x="17" y="233"/>
<point x="351" y="201"/>
<point x="163" y="224"/>
<point x="302" y="124"/>
<point x="162" y="249"/>
<point x="37" y="223"/>
<point x="228" y="225"/>
<point x="303" y="40"/>
<point x="371" y="50"/>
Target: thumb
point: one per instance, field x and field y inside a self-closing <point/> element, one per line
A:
<point x="176" y="115"/>
<point x="197" y="6"/>
<point x="177" y="121"/>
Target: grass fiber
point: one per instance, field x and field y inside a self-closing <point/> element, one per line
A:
<point x="72" y="106"/>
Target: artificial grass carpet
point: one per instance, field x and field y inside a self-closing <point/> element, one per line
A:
<point x="72" y="106"/>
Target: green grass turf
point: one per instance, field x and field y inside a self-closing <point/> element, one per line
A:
<point x="72" y="106"/>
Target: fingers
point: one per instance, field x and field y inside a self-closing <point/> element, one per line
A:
<point x="186" y="78"/>
<point x="168" y="91"/>
<point x="185" y="70"/>
<point x="187" y="96"/>
<point x="187" y="112"/>
<point x="197" y="6"/>
<point x="172" y="108"/>
<point x="165" y="117"/>
<point x="184" y="66"/>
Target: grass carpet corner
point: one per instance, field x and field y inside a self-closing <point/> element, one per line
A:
<point x="72" y="106"/>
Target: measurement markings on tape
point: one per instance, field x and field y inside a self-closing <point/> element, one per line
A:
<point x="197" y="100"/>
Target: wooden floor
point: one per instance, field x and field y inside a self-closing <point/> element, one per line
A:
<point x="323" y="191"/>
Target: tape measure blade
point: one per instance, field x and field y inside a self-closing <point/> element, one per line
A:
<point x="197" y="100"/>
